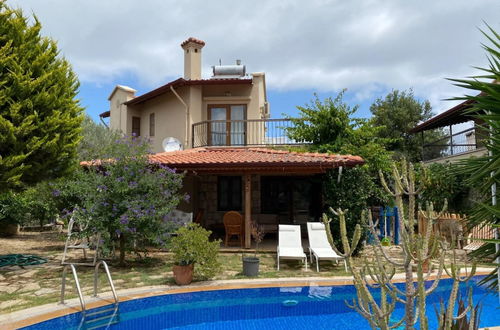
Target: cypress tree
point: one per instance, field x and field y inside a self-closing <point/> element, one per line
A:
<point x="40" y="116"/>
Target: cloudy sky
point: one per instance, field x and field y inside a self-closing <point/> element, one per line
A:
<point x="367" y="46"/>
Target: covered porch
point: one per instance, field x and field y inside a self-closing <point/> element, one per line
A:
<point x="463" y="135"/>
<point x="267" y="186"/>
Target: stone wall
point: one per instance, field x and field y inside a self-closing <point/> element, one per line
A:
<point x="207" y="199"/>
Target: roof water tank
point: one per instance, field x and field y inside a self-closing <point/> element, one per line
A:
<point x="229" y="71"/>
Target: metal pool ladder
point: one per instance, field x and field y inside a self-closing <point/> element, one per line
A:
<point x="77" y="284"/>
<point x="113" y="317"/>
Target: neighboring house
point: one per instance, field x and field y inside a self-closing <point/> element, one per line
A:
<point x="224" y="126"/>
<point x="460" y="142"/>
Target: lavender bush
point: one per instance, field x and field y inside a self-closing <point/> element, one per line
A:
<point x="126" y="198"/>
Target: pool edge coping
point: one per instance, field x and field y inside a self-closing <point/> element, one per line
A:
<point x="50" y="311"/>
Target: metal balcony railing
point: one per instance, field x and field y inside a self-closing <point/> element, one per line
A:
<point x="450" y="145"/>
<point x="251" y="132"/>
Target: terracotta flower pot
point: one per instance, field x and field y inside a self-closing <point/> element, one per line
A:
<point x="183" y="275"/>
<point x="426" y="265"/>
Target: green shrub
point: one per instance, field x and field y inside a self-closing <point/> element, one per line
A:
<point x="355" y="192"/>
<point x="31" y="207"/>
<point x="191" y="245"/>
<point x="445" y="181"/>
<point x="12" y="209"/>
<point x="39" y="205"/>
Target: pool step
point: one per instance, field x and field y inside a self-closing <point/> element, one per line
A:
<point x="101" y="311"/>
<point x="97" y="322"/>
<point x="102" y="321"/>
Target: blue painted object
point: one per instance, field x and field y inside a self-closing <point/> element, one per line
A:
<point x="396" y="226"/>
<point x="317" y="307"/>
<point x="388" y="217"/>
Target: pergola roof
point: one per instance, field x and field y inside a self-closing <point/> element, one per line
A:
<point x="252" y="160"/>
<point x="453" y="116"/>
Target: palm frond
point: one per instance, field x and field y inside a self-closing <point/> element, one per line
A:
<point x="484" y="172"/>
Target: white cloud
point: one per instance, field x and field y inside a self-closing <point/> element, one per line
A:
<point x="323" y="45"/>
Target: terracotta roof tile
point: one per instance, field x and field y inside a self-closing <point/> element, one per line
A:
<point x="252" y="159"/>
<point x="191" y="39"/>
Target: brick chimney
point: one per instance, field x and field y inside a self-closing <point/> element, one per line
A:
<point x="192" y="58"/>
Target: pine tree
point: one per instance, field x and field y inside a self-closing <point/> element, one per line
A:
<point x="40" y="116"/>
<point x="396" y="114"/>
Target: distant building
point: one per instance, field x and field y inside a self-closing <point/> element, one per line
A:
<point x="457" y="144"/>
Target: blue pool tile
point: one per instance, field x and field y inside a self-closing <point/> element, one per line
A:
<point x="266" y="308"/>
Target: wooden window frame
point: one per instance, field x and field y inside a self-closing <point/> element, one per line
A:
<point x="228" y="124"/>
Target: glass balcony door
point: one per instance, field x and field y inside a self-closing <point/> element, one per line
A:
<point x="237" y="129"/>
<point x="227" y="125"/>
<point x="218" y="127"/>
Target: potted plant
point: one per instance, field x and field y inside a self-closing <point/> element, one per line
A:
<point x="191" y="247"/>
<point x="434" y="243"/>
<point x="251" y="264"/>
<point x="386" y="241"/>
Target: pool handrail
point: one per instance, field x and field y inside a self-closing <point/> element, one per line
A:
<point x="108" y="275"/>
<point x="77" y="284"/>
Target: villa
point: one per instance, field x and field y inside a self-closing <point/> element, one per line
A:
<point x="219" y="130"/>
<point x="138" y="234"/>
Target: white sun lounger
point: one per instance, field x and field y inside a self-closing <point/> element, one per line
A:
<point x="319" y="247"/>
<point x="477" y="235"/>
<point x="290" y="244"/>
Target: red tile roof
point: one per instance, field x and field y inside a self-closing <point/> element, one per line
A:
<point x="183" y="82"/>
<point x="191" y="39"/>
<point x="255" y="160"/>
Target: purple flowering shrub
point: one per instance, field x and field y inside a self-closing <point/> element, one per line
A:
<point x="128" y="199"/>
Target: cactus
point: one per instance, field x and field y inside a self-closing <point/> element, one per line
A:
<point x="416" y="250"/>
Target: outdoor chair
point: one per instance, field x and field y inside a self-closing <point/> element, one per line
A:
<point x="319" y="247"/>
<point x="290" y="244"/>
<point x="75" y="241"/>
<point x="233" y="225"/>
<point x="476" y="235"/>
<point x="199" y="217"/>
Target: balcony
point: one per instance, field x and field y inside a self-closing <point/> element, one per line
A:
<point x="458" y="144"/>
<point x="250" y="132"/>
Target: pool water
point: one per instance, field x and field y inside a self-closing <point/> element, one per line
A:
<point x="314" y="307"/>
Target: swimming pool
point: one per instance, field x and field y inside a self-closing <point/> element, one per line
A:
<point x="313" y="307"/>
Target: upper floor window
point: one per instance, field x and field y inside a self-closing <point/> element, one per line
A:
<point x="136" y="126"/>
<point x="152" y="124"/>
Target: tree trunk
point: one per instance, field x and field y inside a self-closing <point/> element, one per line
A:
<point x="122" y="249"/>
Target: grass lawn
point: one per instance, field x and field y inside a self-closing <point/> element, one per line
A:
<point x="41" y="284"/>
